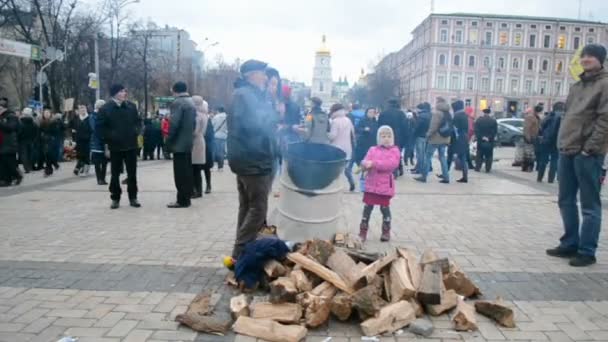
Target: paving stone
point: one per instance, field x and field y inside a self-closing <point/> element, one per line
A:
<point x="138" y="336"/>
<point x="74" y="322"/>
<point x="11" y="327"/>
<point x="31" y="316"/>
<point x="67" y="313"/>
<point x="158" y="325"/>
<point x="573" y="331"/>
<point x="88" y="332"/>
<point x="39" y="325"/>
<point x="174" y="335"/>
<point x="122" y="328"/>
<point x="526" y="335"/>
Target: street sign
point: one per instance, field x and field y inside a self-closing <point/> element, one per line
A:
<point x="41" y="78"/>
<point x="19" y="49"/>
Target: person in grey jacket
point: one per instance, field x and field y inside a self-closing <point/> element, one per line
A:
<point x="221" y="133"/>
<point x="180" y="141"/>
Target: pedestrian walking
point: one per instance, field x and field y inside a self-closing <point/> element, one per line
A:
<point x="316" y="126"/>
<point x="582" y="143"/>
<point x="151" y="136"/>
<point x="251" y="150"/>
<point x="379" y="164"/>
<point x="209" y="135"/>
<point x="83" y="142"/>
<point x="99" y="157"/>
<point x="486" y="129"/>
<point x="27" y="136"/>
<point x="199" y="154"/>
<point x="179" y="143"/>
<point x="531" y="130"/>
<point x="395" y="118"/>
<point x="220" y="133"/>
<point x="342" y="136"/>
<point x="423" y="122"/>
<point x="119" y="125"/>
<point x="9" y="128"/>
<point x="50" y="132"/>
<point x="460" y="140"/>
<point x="438" y="137"/>
<point x="548" y="152"/>
<point x="471" y="117"/>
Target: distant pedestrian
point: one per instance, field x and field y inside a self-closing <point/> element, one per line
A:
<point x="379" y="164"/>
<point x="119" y="125"/>
<point x="198" y="144"/>
<point x="460" y="140"/>
<point x="27" y="136"/>
<point x="209" y="136"/>
<point x="583" y="142"/>
<point x="409" y="139"/>
<point x="395" y="118"/>
<point x="531" y="129"/>
<point x="366" y="134"/>
<point x="50" y="134"/>
<point x="548" y="152"/>
<point x="423" y="122"/>
<point x="316" y="127"/>
<point x="151" y="136"/>
<point x="9" y="128"/>
<point x="438" y="137"/>
<point x="220" y="128"/>
<point x="342" y="136"/>
<point x="486" y="129"/>
<point x="164" y="128"/>
<point x="83" y="142"/>
<point x="99" y="157"/>
<point x="356" y="115"/>
<point x="179" y="142"/>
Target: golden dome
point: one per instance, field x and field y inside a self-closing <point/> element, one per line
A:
<point x="323" y="49"/>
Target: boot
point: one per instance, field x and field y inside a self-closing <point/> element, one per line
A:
<point x="363" y="231"/>
<point x="386" y="232"/>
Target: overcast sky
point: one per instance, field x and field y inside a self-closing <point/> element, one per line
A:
<point x="286" y="33"/>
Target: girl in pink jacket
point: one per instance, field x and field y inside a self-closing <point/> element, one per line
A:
<point x="379" y="163"/>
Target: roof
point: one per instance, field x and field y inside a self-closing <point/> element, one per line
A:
<point x="518" y="17"/>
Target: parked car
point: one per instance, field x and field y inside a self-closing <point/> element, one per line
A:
<point x="510" y="131"/>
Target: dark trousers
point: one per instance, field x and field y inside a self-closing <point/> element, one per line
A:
<point x="8" y="167"/>
<point x="26" y="153"/>
<point x="485" y="154"/>
<point x="582" y="174"/>
<point x="83" y="154"/>
<point x="149" y="152"/>
<point x="207" y="172"/>
<point x="547" y="156"/>
<point x="159" y="147"/>
<point x="253" y="207"/>
<point x="101" y="164"/>
<point x="129" y="158"/>
<point x="50" y="157"/>
<point x="197" y="178"/>
<point x="182" y="174"/>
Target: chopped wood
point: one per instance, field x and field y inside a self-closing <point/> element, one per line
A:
<point x="413" y="267"/>
<point x="239" y="306"/>
<point x="444" y="265"/>
<point x="368" y="302"/>
<point x="465" y="320"/>
<point x="401" y="287"/>
<point x="343" y="265"/>
<point x="317" y="311"/>
<point x="390" y="319"/>
<point x="386" y="286"/>
<point x="449" y="300"/>
<point x="368" y="273"/>
<point x="231" y="279"/>
<point x="429" y="291"/>
<point x="283" y="290"/>
<point x="342" y="306"/>
<point x="202" y="304"/>
<point x="269" y="330"/>
<point x="320" y="250"/>
<point x="274" y="269"/>
<point x="300" y="280"/>
<point x="283" y="313"/>
<point x="428" y="256"/>
<point x="347" y="240"/>
<point x="322" y="271"/>
<point x="361" y="256"/>
<point x="497" y="311"/>
<point x="418" y="309"/>
<point x="459" y="282"/>
<point x="325" y="289"/>
<point x="217" y="323"/>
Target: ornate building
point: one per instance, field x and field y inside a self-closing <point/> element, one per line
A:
<point x="322" y="81"/>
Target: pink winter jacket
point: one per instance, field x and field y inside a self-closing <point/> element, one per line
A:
<point x="379" y="179"/>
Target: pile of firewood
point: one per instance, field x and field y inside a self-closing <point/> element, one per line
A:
<point x="385" y="293"/>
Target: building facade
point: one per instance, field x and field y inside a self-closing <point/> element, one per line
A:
<point x="322" y="79"/>
<point x="508" y="63"/>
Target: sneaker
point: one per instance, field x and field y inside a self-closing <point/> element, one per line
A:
<point x="582" y="260"/>
<point x="420" y="179"/>
<point x="134" y="203"/>
<point x="352" y="187"/>
<point x="462" y="180"/>
<point x="560" y="252"/>
<point x="444" y="181"/>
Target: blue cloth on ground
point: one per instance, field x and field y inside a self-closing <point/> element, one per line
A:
<point x="250" y="265"/>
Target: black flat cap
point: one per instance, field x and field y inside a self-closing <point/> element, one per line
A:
<point x="253" y="65"/>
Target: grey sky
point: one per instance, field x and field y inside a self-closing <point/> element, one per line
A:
<point x="286" y="33"/>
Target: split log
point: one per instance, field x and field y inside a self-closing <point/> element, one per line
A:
<point x="300" y="280"/>
<point x="429" y="291"/>
<point x="428" y="256"/>
<point x="449" y="300"/>
<point x="418" y="309"/>
<point x="274" y="269"/>
<point x="322" y="271"/>
<point x="368" y="302"/>
<point x="361" y="256"/>
<point x="317" y="311"/>
<point x="282" y="290"/>
<point x="368" y="273"/>
<point x="497" y="311"/>
<point x="459" y="282"/>
<point x="347" y="240"/>
<point x="320" y="250"/>
<point x="386" y="277"/>
<point x="342" y="306"/>
<point x="343" y="265"/>
<point x="401" y="287"/>
<point x="269" y="330"/>
<point x="465" y="320"/>
<point x="325" y="289"/>
<point x="239" y="306"/>
<point x="217" y="323"/>
<point x="282" y="313"/>
<point x="390" y="319"/>
<point x="413" y="267"/>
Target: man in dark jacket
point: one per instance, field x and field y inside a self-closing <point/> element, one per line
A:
<point x="9" y="127"/>
<point x="82" y="135"/>
<point x="179" y="142"/>
<point x="98" y="155"/>
<point x="27" y="136"/>
<point x="582" y="143"/>
<point x="423" y="122"/>
<point x="486" y="129"/>
<point x="251" y="150"/>
<point x="547" y="149"/>
<point x="460" y="139"/>
<point x="119" y="124"/>
<point x="395" y="118"/>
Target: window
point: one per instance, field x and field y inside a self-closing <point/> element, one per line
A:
<point x="474" y="23"/>
<point x="517" y="40"/>
<point x="471" y="61"/>
<point x="577" y="43"/>
<point x="577" y="29"/>
<point x="518" y="25"/>
<point x="501" y="62"/>
<point x="498" y="87"/>
<point x="467" y="103"/>
<point x="459" y="23"/>
<point x="457" y="60"/>
<point x="530" y="64"/>
<point x="533" y="26"/>
<point x="444" y="22"/>
<point x="488" y="38"/>
<point x="321" y="86"/>
<point x="562" y="28"/>
<point x="559" y="66"/>
<point x="514" y="85"/>
<point x="543" y="87"/>
<point x="532" y="41"/>
<point x="504" y="25"/>
<point x="547" y="41"/>
<point x="440" y="82"/>
<point x="485" y="84"/>
<point x="547" y="27"/>
<point x="561" y="41"/>
<point x="545" y="65"/>
<point x="470" y="83"/>
<point x="591" y="30"/>
<point x="488" y="24"/>
<point x="442" y="59"/>
<point x="455" y="84"/>
<point x="443" y="36"/>
<point x="590" y="40"/>
<point x="473" y="36"/>
<point x="558" y="88"/>
<point x="458" y="36"/>
<point x="486" y="61"/>
<point x="528" y="87"/>
<point x="515" y="63"/>
<point x="503" y="38"/>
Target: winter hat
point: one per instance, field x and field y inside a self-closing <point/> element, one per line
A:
<point x="538" y="108"/>
<point x="458" y="106"/>
<point x="335" y="107"/>
<point x="424" y="107"/>
<point x="385" y="129"/>
<point x="115" y="89"/>
<point x="253" y="65"/>
<point x="487" y="111"/>
<point x="595" y="50"/>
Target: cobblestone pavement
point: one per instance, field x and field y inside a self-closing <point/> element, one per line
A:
<point x="69" y="266"/>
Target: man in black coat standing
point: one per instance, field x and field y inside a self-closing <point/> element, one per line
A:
<point x="460" y="139"/>
<point x="486" y="129"/>
<point x="9" y="127"/>
<point x="119" y="125"/>
<point x="179" y="142"/>
<point x="395" y="118"/>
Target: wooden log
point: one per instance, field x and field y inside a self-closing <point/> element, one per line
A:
<point x="239" y="306"/>
<point x="325" y="289"/>
<point x="459" y="282"/>
<point x="283" y="290"/>
<point x="342" y="306"/>
<point x="321" y="271"/>
<point x="429" y="291"/>
<point x="386" y="286"/>
<point x="317" y="311"/>
<point x="269" y="330"/>
<point x="465" y="320"/>
<point x="368" y="302"/>
<point x="320" y="250"/>
<point x="368" y="273"/>
<point x="300" y="280"/>
<point x="361" y="256"/>
<point x="390" y="319"/>
<point x="497" y="311"/>
<point x="418" y="309"/>
<point x="413" y="267"/>
<point x="274" y="269"/>
<point x="449" y="300"/>
<point x="343" y="265"/>
<point x="428" y="256"/>
<point x="216" y="323"/>
<point x="282" y="313"/>
<point x="401" y="287"/>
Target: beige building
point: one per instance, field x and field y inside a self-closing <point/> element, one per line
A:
<point x="505" y="62"/>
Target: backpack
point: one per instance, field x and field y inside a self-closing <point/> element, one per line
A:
<point x="446" y="129"/>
